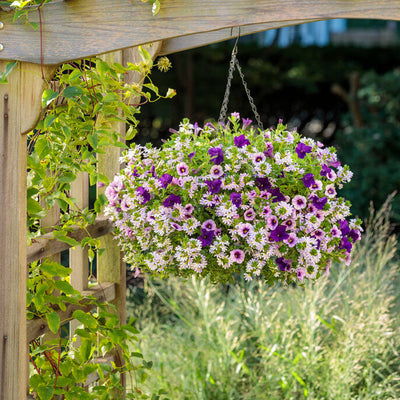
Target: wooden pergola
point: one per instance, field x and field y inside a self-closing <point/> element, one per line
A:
<point x="75" y="29"/>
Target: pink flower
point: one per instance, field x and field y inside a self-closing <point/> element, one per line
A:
<point x="299" y="202"/>
<point x="330" y="191"/>
<point x="209" y="225"/>
<point x="236" y="256"/>
<point x="216" y="171"/>
<point x="249" y="215"/>
<point x="182" y="169"/>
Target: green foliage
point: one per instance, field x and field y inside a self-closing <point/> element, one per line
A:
<point x="373" y="150"/>
<point x="80" y="107"/>
<point x="335" y="340"/>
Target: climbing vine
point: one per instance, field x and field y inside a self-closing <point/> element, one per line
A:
<point x="80" y="105"/>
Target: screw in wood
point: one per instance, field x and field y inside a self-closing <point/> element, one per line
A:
<point x="1" y="47"/>
<point x="1" y="25"/>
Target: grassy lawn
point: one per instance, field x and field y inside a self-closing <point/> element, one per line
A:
<point x="335" y="340"/>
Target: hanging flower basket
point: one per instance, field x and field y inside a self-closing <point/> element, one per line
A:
<point x="231" y="199"/>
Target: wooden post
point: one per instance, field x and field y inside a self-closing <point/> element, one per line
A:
<point x="20" y="101"/>
<point x="78" y="257"/>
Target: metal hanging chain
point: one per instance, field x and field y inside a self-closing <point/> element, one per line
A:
<point x="235" y="63"/>
<point x="224" y="108"/>
<point x="251" y="101"/>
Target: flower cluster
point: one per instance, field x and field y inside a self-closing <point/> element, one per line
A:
<point x="230" y="199"/>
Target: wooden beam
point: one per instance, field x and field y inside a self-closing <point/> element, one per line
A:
<point x="181" y="43"/>
<point x="46" y="245"/>
<point x="102" y="292"/>
<point x="75" y="29"/>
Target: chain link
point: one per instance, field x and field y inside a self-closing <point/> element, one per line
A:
<point x="224" y="108"/>
<point x="235" y="63"/>
<point x="251" y="101"/>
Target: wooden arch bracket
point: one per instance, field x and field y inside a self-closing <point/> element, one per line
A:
<point x="76" y="29"/>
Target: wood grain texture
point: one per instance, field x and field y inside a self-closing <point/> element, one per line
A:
<point x="181" y="43"/>
<point x="46" y="246"/>
<point x="102" y="292"/>
<point x="15" y="116"/>
<point x="75" y="29"/>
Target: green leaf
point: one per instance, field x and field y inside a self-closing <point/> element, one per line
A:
<point x="85" y="318"/>
<point x="48" y="96"/>
<point x="67" y="177"/>
<point x="7" y="71"/>
<point x="52" y="268"/>
<point x="65" y="287"/>
<point x="145" y="55"/>
<point x="130" y="133"/>
<point x="33" y="207"/>
<point x="45" y="392"/>
<point x="42" y="147"/>
<point x="152" y="87"/>
<point x="85" y="349"/>
<point x="53" y="320"/>
<point x="72" y="91"/>
<point x="66" y="239"/>
<point x="93" y="140"/>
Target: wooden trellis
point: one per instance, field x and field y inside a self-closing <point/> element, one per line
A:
<point x="74" y="29"/>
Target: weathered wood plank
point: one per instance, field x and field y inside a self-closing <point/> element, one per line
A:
<point x="75" y="29"/>
<point x="102" y="292"/>
<point x="46" y="246"/>
<point x="78" y="257"/>
<point x="109" y="360"/>
<point x="110" y="267"/>
<point x="15" y="117"/>
<point x="181" y="43"/>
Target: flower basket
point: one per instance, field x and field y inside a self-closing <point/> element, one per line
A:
<point x="232" y="199"/>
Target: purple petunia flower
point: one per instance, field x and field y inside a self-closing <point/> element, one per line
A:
<point x="144" y="193"/>
<point x="171" y="200"/>
<point x="283" y="264"/>
<point x="277" y="195"/>
<point x="189" y="209"/>
<point x="206" y="237"/>
<point x="236" y="199"/>
<point x="165" y="180"/>
<point x="345" y="244"/>
<point x="269" y="152"/>
<point x="216" y="171"/>
<point x="236" y="255"/>
<point x="209" y="225"/>
<point x="344" y="227"/>
<point x="217" y="155"/>
<point x="245" y="229"/>
<point x="246" y="122"/>
<point x="354" y="234"/>
<point x="335" y="232"/>
<point x="272" y="222"/>
<point x="299" y="202"/>
<point x="263" y="183"/>
<point x="302" y="149"/>
<point x="319" y="203"/>
<point x="325" y="170"/>
<point x="308" y="180"/>
<point x="279" y="233"/>
<point x="241" y="141"/>
<point x="182" y="169"/>
<point x="249" y="215"/>
<point x="153" y="172"/>
<point x="258" y="158"/>
<point x="214" y="186"/>
<point x="191" y="155"/>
